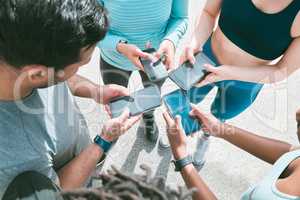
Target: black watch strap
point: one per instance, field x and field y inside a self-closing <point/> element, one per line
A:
<point x="179" y="164"/>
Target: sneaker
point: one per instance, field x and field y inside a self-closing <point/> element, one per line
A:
<point x="201" y="149"/>
<point x="150" y="128"/>
<point x="164" y="142"/>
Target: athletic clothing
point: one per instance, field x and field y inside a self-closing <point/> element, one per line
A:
<point x="266" y="189"/>
<point x="140" y="21"/>
<point x="233" y="97"/>
<point x="112" y="75"/>
<point x="41" y="133"/>
<point x="32" y="185"/>
<point x="266" y="36"/>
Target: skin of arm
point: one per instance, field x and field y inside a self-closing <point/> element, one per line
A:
<point x="190" y="175"/>
<point x="76" y="173"/>
<point x="266" y="149"/>
<point x="193" y="180"/>
<point x="78" y="170"/>
<point x="176" y="29"/>
<point x="203" y="30"/>
<point x="265" y="74"/>
<point x="83" y="87"/>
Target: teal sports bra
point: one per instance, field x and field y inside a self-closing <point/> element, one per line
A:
<point x="266" y="189"/>
<point x="266" y="36"/>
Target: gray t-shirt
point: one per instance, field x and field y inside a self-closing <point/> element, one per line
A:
<point x="41" y="133"/>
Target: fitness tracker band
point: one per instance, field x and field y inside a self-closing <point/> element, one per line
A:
<point x="180" y="164"/>
<point x="103" y="144"/>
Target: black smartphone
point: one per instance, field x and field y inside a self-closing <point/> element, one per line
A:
<point x="139" y="102"/>
<point x="155" y="71"/>
<point x="187" y="75"/>
<point x="178" y="103"/>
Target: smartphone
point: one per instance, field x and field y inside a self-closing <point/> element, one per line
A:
<point x="155" y="71"/>
<point x="138" y="102"/>
<point x="187" y="75"/>
<point x="178" y="103"/>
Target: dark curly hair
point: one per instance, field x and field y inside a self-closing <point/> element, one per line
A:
<point x="119" y="186"/>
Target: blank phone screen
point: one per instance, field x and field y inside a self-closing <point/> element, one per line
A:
<point x="178" y="104"/>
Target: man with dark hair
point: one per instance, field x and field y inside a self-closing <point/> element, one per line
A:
<point x="44" y="141"/>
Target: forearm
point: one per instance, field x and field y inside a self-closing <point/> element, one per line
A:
<point x="78" y="171"/>
<point x="204" y="29"/>
<point x="83" y="87"/>
<point x="178" y="22"/>
<point x="193" y="180"/>
<point x="264" y="74"/>
<point x="267" y="149"/>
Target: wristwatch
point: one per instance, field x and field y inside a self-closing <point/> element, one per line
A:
<point x="103" y="144"/>
<point x="180" y="164"/>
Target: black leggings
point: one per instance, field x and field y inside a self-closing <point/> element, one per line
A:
<point x="114" y="75"/>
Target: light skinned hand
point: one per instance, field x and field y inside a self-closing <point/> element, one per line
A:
<point x="116" y="127"/>
<point x="168" y="48"/>
<point x="176" y="136"/>
<point x="216" y="74"/>
<point x="133" y="53"/>
<point x="108" y="92"/>
<point x="189" y="52"/>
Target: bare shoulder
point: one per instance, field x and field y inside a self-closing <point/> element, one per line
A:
<point x="296" y="26"/>
<point x="290" y="184"/>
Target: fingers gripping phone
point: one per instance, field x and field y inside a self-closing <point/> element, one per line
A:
<point x="139" y="102"/>
<point x="178" y="103"/>
<point x="155" y="71"/>
<point x="188" y="74"/>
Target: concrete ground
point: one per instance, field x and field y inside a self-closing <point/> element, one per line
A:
<point x="228" y="171"/>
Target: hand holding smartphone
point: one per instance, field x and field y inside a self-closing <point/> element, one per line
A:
<point x="155" y="70"/>
<point x="188" y="74"/>
<point x="139" y="102"/>
<point x="177" y="103"/>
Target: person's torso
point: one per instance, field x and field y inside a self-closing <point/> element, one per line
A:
<point x="139" y="22"/>
<point x="38" y="133"/>
<point x="251" y="34"/>
<point x="267" y="189"/>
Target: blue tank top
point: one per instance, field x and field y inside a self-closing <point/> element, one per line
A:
<point x="266" y="189"/>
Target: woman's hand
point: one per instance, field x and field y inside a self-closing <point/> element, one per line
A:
<point x="116" y="127"/>
<point x="216" y="74"/>
<point x="167" y="47"/>
<point x="133" y="53"/>
<point x="176" y="136"/>
<point x="189" y="52"/>
<point x="209" y="123"/>
<point x="106" y="93"/>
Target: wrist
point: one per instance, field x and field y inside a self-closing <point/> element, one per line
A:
<point x="183" y="163"/>
<point x="121" y="46"/>
<point x="101" y="142"/>
<point x="179" y="154"/>
<point x="97" y="95"/>
<point x="107" y="137"/>
<point x="97" y="151"/>
<point x="226" y="131"/>
<point x="170" y="42"/>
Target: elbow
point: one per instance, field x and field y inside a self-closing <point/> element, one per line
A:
<point x="281" y="72"/>
<point x="213" y="16"/>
